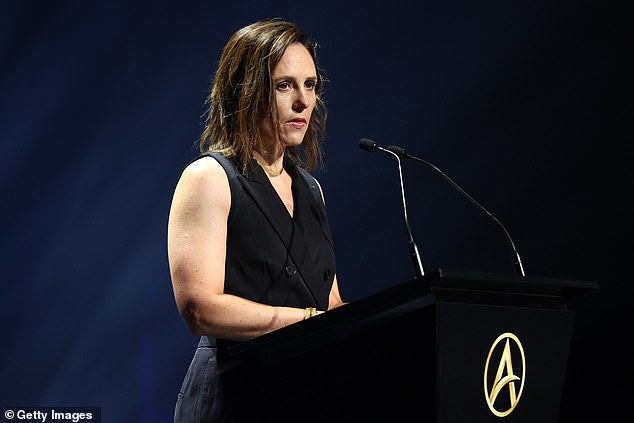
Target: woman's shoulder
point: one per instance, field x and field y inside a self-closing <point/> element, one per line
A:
<point x="204" y="170"/>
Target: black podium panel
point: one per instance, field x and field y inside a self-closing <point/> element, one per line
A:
<point x="376" y="374"/>
<point x="466" y="334"/>
<point x="449" y="347"/>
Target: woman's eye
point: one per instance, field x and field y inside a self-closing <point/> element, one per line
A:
<point x="283" y="85"/>
<point x="310" y="84"/>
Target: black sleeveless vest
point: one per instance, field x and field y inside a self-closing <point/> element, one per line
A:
<point x="273" y="258"/>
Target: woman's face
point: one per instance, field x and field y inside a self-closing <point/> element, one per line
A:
<point x="294" y="81"/>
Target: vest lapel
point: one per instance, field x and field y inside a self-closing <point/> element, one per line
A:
<point x="291" y="235"/>
<point x="265" y="196"/>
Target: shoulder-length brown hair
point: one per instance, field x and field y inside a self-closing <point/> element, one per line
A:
<point x="242" y="94"/>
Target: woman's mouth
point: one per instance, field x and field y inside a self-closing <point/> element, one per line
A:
<point x="297" y="123"/>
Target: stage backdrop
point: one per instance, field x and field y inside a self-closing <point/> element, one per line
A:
<point x="526" y="104"/>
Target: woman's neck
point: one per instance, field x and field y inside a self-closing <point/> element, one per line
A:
<point x="272" y="164"/>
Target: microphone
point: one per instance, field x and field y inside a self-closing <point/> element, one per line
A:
<point x="368" y="145"/>
<point x="401" y="153"/>
<point x="371" y="146"/>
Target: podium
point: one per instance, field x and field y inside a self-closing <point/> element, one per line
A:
<point x="451" y="346"/>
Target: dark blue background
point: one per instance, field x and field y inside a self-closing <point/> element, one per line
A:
<point x="526" y="104"/>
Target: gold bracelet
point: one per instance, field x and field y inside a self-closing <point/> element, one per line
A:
<point x="310" y="312"/>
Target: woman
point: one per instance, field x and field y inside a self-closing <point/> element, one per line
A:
<point x="249" y="246"/>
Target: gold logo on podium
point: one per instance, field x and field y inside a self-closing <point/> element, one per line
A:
<point x="506" y="346"/>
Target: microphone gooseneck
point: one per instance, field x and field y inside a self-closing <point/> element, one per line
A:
<point x="371" y="146"/>
<point x="401" y="153"/>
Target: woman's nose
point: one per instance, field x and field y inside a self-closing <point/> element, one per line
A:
<point x="301" y="101"/>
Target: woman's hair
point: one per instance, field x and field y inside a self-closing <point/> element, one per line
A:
<point x="242" y="95"/>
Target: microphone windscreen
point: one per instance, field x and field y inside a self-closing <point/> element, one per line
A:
<point x="397" y="150"/>
<point x="367" y="145"/>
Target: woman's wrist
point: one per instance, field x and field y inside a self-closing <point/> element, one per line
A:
<point x="309" y="312"/>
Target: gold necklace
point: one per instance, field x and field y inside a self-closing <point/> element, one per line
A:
<point x="268" y="170"/>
